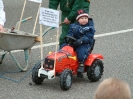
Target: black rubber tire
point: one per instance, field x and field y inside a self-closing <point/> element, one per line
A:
<point x="66" y="79"/>
<point x="37" y="80"/>
<point x="95" y="71"/>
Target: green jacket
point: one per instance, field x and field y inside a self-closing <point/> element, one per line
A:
<point x="70" y="6"/>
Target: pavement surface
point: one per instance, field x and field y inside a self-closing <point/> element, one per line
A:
<point x="114" y="36"/>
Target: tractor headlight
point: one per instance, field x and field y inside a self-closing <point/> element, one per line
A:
<point x="51" y="66"/>
<point x="46" y="65"/>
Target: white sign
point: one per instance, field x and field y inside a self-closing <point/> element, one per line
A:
<point x="38" y="1"/>
<point x="49" y="17"/>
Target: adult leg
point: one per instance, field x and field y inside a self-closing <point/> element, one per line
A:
<point x="65" y="29"/>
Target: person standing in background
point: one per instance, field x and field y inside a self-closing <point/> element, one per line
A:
<point x="68" y="15"/>
<point x="2" y="16"/>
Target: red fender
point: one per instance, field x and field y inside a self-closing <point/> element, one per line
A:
<point x="91" y="58"/>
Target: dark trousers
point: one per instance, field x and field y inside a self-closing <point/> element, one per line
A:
<point x="83" y="52"/>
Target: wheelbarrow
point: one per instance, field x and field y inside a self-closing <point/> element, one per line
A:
<point x="18" y="40"/>
<point x="13" y="39"/>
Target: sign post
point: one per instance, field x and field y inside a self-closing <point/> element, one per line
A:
<point x="50" y="17"/>
<point x="41" y="42"/>
<point x="21" y="15"/>
<point x="37" y="1"/>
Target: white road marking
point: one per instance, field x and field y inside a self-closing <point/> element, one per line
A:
<point x="99" y="35"/>
<point x="113" y="33"/>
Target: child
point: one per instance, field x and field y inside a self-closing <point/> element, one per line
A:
<point x="113" y="88"/>
<point x="83" y="30"/>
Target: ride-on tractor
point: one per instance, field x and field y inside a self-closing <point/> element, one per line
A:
<point x="64" y="64"/>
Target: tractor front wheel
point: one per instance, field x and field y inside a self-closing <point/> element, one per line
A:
<point x="37" y="80"/>
<point x="66" y="79"/>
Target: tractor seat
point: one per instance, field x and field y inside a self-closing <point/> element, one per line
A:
<point x="92" y="46"/>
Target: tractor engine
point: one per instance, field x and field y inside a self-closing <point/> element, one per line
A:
<point x="65" y="58"/>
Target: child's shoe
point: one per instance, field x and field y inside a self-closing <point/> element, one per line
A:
<point x="81" y="68"/>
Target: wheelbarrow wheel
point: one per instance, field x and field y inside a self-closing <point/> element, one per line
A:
<point x="37" y="80"/>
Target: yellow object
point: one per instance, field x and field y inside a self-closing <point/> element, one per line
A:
<point x="50" y="52"/>
<point x="74" y="57"/>
<point x="38" y="39"/>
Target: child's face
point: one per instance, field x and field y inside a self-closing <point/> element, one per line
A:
<point x="83" y="20"/>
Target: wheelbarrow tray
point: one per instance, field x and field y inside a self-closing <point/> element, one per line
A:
<point x="17" y="40"/>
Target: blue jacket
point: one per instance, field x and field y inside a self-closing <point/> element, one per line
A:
<point x="83" y="32"/>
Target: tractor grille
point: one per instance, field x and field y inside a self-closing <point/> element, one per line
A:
<point x="49" y="64"/>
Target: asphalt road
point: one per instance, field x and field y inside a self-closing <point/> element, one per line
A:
<point x="114" y="27"/>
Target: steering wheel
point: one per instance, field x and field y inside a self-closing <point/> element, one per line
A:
<point x="70" y="40"/>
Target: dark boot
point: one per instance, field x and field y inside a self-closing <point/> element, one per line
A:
<point x="81" y="68"/>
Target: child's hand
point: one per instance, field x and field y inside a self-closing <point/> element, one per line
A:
<point x="78" y="42"/>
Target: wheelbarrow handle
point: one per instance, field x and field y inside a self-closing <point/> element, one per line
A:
<point x="26" y="19"/>
<point x="50" y="28"/>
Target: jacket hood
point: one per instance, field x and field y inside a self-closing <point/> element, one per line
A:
<point x="91" y="23"/>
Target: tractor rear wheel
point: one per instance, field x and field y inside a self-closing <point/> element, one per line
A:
<point x="66" y="79"/>
<point x="37" y="80"/>
<point x="95" y="71"/>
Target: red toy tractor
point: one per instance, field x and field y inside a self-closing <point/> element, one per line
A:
<point x="64" y="64"/>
